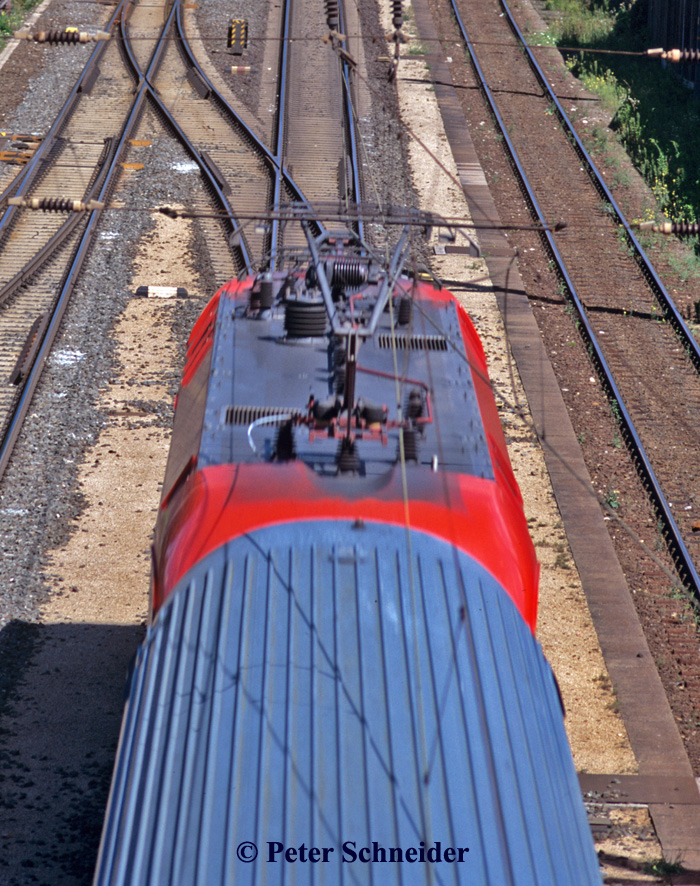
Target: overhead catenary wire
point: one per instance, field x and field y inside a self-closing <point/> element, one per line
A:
<point x="58" y="35"/>
<point x="336" y="45"/>
<point x="375" y="213"/>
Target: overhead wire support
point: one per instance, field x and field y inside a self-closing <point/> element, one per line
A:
<point x="55" y="204"/>
<point x="348" y="65"/>
<point x="675" y="55"/>
<point x="681" y="229"/>
<point x="57" y="36"/>
<point x="397" y="36"/>
<point x="344" y="213"/>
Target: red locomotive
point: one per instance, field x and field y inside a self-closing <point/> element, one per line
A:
<point x="340" y="681"/>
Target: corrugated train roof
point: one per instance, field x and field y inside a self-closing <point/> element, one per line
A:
<point x="302" y="686"/>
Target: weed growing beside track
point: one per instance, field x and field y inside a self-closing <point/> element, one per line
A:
<point x="12" y="14"/>
<point x="655" y="117"/>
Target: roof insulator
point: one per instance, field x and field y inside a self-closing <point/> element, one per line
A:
<point x="347" y="459"/>
<point x="410" y="444"/>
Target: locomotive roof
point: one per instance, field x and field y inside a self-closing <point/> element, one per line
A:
<point x="335" y="686"/>
<point x="260" y="372"/>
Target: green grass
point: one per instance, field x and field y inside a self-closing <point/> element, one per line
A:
<point x="611" y="499"/>
<point x="655" y="117"/>
<point x="581" y="22"/>
<point x="416" y="48"/>
<point x="686" y="266"/>
<point x="662" y="867"/>
<point x="12" y="21"/>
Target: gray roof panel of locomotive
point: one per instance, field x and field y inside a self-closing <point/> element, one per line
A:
<point x="258" y="370"/>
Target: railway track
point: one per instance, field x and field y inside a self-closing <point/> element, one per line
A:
<point x="232" y="158"/>
<point x="658" y="713"/>
<point x="306" y="160"/>
<point x="38" y="251"/>
<point x="215" y="231"/>
<point x="88" y="146"/>
<point x="637" y="537"/>
<point x="617" y="301"/>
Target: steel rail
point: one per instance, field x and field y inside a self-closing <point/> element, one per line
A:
<point x="350" y="118"/>
<point x="31" y="172"/>
<point x="688" y="340"/>
<point x="128" y="51"/>
<point x="677" y="547"/>
<point x="274" y="160"/>
<point x="24" y="180"/>
<point x="51" y="246"/>
<point x="146" y="89"/>
<point x="103" y="185"/>
<point x="22" y="406"/>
